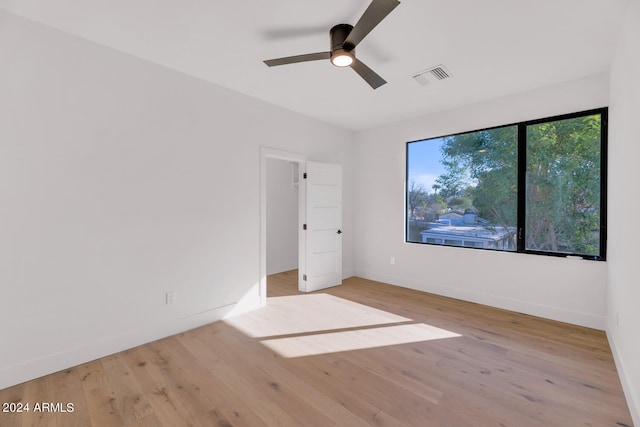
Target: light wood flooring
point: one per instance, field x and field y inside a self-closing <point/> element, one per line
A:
<point x="361" y="354"/>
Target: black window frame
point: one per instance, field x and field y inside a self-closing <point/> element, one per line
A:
<point x="522" y="181"/>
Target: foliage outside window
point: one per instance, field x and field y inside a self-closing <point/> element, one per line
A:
<point x="534" y="187"/>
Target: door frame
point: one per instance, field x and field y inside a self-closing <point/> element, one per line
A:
<point x="267" y="153"/>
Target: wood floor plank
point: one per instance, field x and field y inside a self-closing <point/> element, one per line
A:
<point x="36" y="393"/>
<point x="247" y="382"/>
<point x="325" y="403"/>
<point x="99" y="395"/>
<point x="15" y="396"/>
<point x="149" y="376"/>
<point x="70" y="399"/>
<point x="127" y="400"/>
<point x="400" y="376"/>
<point x="367" y="354"/>
<point x="194" y="380"/>
<point x="324" y="379"/>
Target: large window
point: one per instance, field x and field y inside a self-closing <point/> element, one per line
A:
<point x="533" y="187"/>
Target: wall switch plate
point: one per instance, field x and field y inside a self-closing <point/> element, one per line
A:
<point x="170" y="297"/>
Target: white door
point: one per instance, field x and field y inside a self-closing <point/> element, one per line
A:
<point x="322" y="259"/>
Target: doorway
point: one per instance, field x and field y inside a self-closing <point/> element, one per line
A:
<point x="318" y="189"/>
<point x="281" y="210"/>
<point x="282" y="216"/>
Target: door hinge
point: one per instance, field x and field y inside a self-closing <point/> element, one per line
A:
<point x="304" y="175"/>
<point x="304" y="277"/>
<point x="304" y="226"/>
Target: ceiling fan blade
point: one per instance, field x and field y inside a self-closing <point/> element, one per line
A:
<point x="370" y="76"/>
<point x="298" y="58"/>
<point x="376" y="12"/>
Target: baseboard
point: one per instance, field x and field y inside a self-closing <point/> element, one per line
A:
<point x="346" y="272"/>
<point x="38" y="367"/>
<point x="520" y="306"/>
<point x="633" y="400"/>
<point x="280" y="268"/>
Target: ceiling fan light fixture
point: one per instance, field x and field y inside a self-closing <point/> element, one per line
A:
<point x="342" y="58"/>
<point x="343" y="39"/>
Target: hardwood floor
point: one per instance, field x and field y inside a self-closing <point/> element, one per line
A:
<point x="361" y="354"/>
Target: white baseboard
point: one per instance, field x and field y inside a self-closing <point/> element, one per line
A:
<point x="45" y="365"/>
<point x="280" y="268"/>
<point x="346" y="272"/>
<point x="633" y="400"/>
<point x="520" y="306"/>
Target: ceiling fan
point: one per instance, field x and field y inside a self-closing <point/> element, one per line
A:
<point x="343" y="41"/>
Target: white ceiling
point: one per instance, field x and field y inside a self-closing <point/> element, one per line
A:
<point x="491" y="48"/>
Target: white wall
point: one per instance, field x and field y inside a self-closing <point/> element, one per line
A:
<point x="563" y="289"/>
<point x="282" y="217"/>
<point x="624" y="206"/>
<point x="119" y="181"/>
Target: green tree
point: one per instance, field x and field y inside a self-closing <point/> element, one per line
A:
<point x="489" y="160"/>
<point x="563" y="185"/>
<point x="460" y="202"/>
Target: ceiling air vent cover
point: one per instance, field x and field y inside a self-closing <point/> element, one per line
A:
<point x="433" y="74"/>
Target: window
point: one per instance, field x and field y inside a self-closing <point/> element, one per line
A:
<point x="533" y="187"/>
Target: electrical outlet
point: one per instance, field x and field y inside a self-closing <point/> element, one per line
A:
<point x="171" y="297"/>
<point x="393" y="260"/>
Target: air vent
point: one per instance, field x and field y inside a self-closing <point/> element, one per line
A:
<point x="431" y="75"/>
<point x="420" y="78"/>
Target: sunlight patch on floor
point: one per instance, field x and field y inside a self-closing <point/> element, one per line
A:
<point x="306" y="325"/>
<point x="332" y="342"/>
<point x="297" y="314"/>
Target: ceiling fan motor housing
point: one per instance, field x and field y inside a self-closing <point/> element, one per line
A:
<point x="343" y="40"/>
<point x="338" y="35"/>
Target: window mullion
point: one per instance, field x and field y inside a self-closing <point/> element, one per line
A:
<point x="522" y="185"/>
